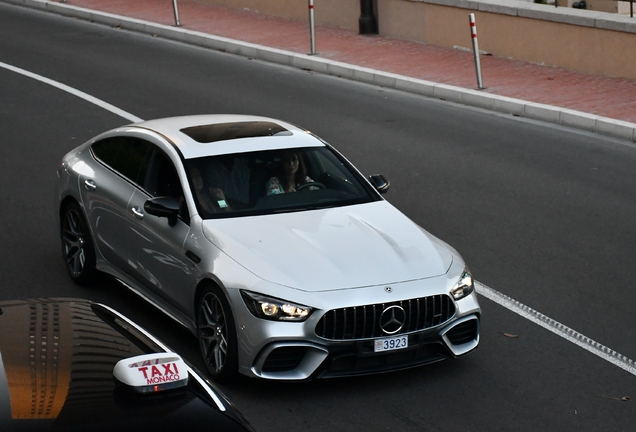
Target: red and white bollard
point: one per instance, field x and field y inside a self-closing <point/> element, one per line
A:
<point x="312" y="35"/>
<point x="473" y="36"/>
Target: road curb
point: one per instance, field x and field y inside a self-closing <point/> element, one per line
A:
<point x="474" y="98"/>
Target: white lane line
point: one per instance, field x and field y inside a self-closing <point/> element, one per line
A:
<point x="557" y="328"/>
<point x="75" y="92"/>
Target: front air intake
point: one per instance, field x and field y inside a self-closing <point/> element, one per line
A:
<point x="284" y="359"/>
<point x="463" y="333"/>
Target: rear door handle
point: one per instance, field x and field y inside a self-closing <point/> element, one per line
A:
<point x="194" y="257"/>
<point x="90" y="185"/>
<point x="137" y="212"/>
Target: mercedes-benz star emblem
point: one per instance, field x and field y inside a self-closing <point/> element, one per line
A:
<point x="392" y="319"/>
<point x="388" y="289"/>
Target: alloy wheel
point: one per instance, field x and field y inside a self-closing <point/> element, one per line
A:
<point x="77" y="245"/>
<point x="213" y="332"/>
<point x="73" y="243"/>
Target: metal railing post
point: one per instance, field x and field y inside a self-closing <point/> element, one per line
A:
<point x="312" y="34"/>
<point x="367" y="23"/>
<point x="473" y="36"/>
<point x="176" y="13"/>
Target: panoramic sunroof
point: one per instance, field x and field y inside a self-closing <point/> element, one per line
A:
<point x="228" y="131"/>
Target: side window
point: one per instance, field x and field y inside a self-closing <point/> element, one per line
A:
<point x="162" y="180"/>
<point x="123" y="154"/>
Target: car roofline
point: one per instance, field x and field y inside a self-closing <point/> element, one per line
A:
<point x="171" y="131"/>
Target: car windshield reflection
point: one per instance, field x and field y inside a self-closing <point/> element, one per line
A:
<point x="274" y="181"/>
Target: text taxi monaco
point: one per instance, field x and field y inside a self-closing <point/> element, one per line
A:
<point x="267" y="244"/>
<point x="73" y="365"/>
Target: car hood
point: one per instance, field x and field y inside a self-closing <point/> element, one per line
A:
<point x="330" y="249"/>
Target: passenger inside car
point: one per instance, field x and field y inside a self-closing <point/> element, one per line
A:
<point x="231" y="175"/>
<point x="211" y="199"/>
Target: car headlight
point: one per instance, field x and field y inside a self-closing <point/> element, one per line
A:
<point x="274" y="309"/>
<point x="464" y="286"/>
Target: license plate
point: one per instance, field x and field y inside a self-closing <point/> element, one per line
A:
<point x="392" y="343"/>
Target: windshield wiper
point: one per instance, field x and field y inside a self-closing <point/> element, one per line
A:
<point x="303" y="208"/>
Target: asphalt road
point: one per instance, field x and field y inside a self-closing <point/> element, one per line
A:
<point x="541" y="213"/>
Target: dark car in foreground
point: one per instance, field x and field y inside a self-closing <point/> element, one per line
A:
<point x="73" y="365"/>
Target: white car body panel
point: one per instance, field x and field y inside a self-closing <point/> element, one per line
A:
<point x="336" y="260"/>
<point x="332" y="249"/>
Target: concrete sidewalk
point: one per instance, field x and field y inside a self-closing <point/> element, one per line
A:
<point x="593" y="103"/>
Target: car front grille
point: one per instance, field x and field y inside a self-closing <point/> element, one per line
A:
<point x="362" y="322"/>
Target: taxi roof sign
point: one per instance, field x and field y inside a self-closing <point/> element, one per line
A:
<point x="151" y="373"/>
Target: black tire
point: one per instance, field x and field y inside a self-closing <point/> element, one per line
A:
<point x="77" y="245"/>
<point x="216" y="332"/>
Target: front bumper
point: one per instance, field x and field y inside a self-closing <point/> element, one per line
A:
<point x="294" y="351"/>
<point x="304" y="361"/>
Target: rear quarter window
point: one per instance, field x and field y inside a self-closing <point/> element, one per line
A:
<point x="125" y="155"/>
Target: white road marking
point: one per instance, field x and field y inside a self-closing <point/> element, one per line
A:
<point x="75" y="92"/>
<point x="501" y="299"/>
<point x="557" y="328"/>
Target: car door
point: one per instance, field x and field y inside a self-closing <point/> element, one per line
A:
<point x="156" y="249"/>
<point x="106" y="192"/>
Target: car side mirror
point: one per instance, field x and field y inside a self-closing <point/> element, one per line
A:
<point x="163" y="207"/>
<point x="380" y="183"/>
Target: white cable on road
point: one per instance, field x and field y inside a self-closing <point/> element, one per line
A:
<point x="75" y="92"/>
<point x="557" y="328"/>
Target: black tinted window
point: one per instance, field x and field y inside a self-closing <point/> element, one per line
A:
<point x="162" y="178"/>
<point x="235" y="130"/>
<point x="256" y="183"/>
<point x="123" y="154"/>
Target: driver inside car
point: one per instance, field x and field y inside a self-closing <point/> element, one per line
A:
<point x="291" y="177"/>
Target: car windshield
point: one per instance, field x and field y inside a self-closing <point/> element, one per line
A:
<point x="274" y="181"/>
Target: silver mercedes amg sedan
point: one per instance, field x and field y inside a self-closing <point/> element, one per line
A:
<point x="267" y="244"/>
